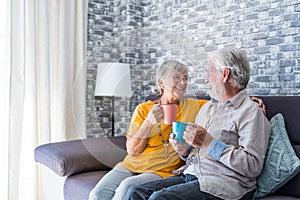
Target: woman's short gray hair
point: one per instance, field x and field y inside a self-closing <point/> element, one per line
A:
<point x="166" y="69"/>
<point x="236" y="60"/>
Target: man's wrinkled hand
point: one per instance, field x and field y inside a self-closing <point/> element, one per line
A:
<point x="197" y="136"/>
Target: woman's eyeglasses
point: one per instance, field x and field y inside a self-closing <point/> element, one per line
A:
<point x="178" y="79"/>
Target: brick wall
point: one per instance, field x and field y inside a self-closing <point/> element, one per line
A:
<point x="145" y="33"/>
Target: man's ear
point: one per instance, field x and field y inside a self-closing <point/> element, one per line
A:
<point x="225" y="75"/>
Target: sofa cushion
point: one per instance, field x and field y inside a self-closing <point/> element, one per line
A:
<point x="78" y="187"/>
<point x="281" y="162"/>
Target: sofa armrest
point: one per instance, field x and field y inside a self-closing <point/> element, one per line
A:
<point x="76" y="156"/>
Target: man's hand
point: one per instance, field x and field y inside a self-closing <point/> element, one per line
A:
<point x="197" y="136"/>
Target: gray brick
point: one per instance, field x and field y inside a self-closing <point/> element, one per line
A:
<point x="290" y="17"/>
<point x="192" y="26"/>
<point x="288" y="47"/>
<point x="262" y="92"/>
<point x="262" y="79"/>
<point x="178" y="18"/>
<point x="262" y="50"/>
<point x="260" y="36"/>
<point x="252" y="16"/>
<point x="295" y="23"/>
<point x="274" y="41"/>
<point x="274" y="27"/>
<point x="201" y="8"/>
<point x="275" y="12"/>
<point x="286" y="77"/>
<point x="108" y="19"/>
<point x="153" y="18"/>
<point x="287" y="63"/>
<point x="262" y="8"/>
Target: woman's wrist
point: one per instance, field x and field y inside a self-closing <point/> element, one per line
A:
<point x="147" y="123"/>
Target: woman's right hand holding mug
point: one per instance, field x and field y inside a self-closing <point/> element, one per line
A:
<point x="155" y="115"/>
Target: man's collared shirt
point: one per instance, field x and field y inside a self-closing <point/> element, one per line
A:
<point x="235" y="157"/>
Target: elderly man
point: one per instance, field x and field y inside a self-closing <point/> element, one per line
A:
<point x="224" y="149"/>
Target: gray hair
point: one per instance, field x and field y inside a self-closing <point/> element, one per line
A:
<point x="166" y="69"/>
<point x="235" y="60"/>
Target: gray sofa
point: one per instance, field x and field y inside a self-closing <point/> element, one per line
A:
<point x="84" y="162"/>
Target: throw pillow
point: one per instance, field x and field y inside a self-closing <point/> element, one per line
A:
<point x="281" y="163"/>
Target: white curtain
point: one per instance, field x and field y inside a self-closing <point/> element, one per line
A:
<point x="44" y="86"/>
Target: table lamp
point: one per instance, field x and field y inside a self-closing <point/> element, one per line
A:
<point x="113" y="79"/>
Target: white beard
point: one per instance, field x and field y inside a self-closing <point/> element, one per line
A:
<point x="217" y="91"/>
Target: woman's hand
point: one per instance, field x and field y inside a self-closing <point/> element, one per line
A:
<point x="155" y="115"/>
<point x="260" y="104"/>
<point x="182" y="149"/>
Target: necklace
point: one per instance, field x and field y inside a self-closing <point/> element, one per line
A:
<point x="165" y="154"/>
<point x="165" y="143"/>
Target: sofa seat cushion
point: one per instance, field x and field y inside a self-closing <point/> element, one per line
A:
<point x="78" y="187"/>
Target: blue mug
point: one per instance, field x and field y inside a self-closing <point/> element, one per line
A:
<point x="178" y="129"/>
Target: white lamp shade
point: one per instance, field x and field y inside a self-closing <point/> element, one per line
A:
<point x="113" y="79"/>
